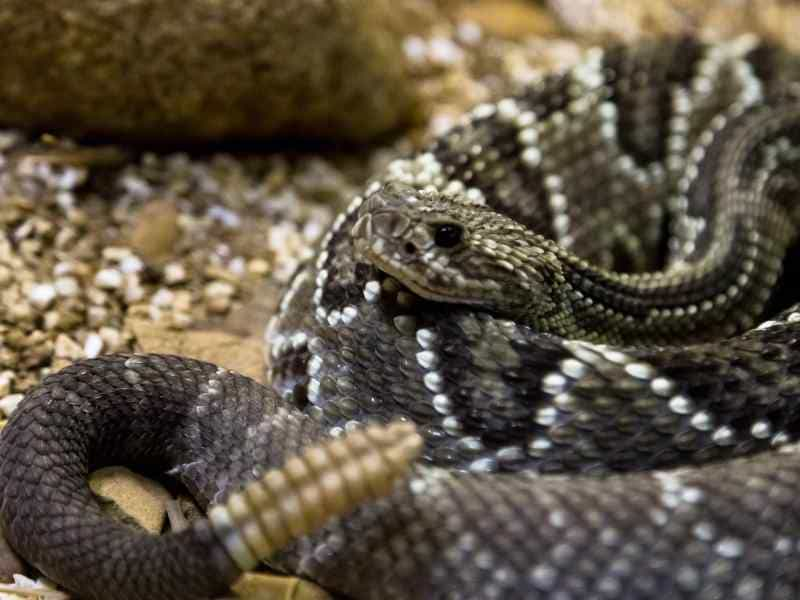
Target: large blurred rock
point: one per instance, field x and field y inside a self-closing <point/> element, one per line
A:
<point x="154" y="70"/>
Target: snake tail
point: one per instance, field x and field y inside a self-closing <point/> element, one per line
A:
<point x="100" y="411"/>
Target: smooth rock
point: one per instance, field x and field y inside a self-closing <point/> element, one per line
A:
<point x="156" y="231"/>
<point x="263" y="586"/>
<point x="140" y="498"/>
<point x="154" y="71"/>
<point x="516" y="19"/>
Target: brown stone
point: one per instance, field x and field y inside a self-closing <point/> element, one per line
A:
<point x="514" y="19"/>
<point x="156" y="231"/>
<point x="263" y="586"/>
<point x="200" y="69"/>
<point x="141" y="499"/>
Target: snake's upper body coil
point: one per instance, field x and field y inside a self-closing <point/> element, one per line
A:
<point x="576" y="295"/>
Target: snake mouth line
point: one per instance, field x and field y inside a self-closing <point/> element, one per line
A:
<point x="408" y="279"/>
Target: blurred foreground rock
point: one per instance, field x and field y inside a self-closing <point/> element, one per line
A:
<point x="153" y="71"/>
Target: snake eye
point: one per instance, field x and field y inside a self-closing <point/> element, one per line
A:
<point x="447" y="235"/>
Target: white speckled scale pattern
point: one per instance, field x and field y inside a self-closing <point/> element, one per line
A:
<point x="578" y="296"/>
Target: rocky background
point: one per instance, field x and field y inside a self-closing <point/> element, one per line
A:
<point x="163" y="171"/>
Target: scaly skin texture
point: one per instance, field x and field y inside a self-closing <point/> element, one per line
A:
<point x="588" y="433"/>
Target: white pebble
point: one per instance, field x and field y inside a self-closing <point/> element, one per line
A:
<point x="42" y="295"/>
<point x="131" y="264"/>
<point x="66" y="347"/>
<point x="174" y="273"/>
<point x="9" y="403"/>
<point x="67" y="286"/>
<point x="108" y="279"/>
<point x="163" y="297"/>
<point x="218" y="289"/>
<point x="93" y="345"/>
<point x="6" y="379"/>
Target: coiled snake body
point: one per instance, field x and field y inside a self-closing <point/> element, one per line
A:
<point x="608" y="411"/>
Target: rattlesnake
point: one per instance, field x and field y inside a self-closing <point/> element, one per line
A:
<point x="588" y="433"/>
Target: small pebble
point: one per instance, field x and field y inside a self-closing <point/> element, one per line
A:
<point x="96" y="296"/>
<point x="66" y="347"/>
<point x="163" y="298"/>
<point x="93" y="345"/>
<point x="6" y="381"/>
<point x="112" y="338"/>
<point x="42" y="295"/>
<point x="258" y="266"/>
<point x="67" y="286"/>
<point x="218" y="296"/>
<point x="116" y="253"/>
<point x="134" y="292"/>
<point x="9" y="403"/>
<point x="225" y="216"/>
<point x="183" y="301"/>
<point x="174" y="273"/>
<point x="108" y="279"/>
<point x="131" y="264"/>
<point x="96" y="316"/>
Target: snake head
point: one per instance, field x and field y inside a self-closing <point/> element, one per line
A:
<point x="446" y="248"/>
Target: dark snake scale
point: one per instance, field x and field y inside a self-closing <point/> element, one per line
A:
<point x="584" y="297"/>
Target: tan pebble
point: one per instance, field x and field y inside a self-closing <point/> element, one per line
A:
<point x="77" y="217"/>
<point x="134" y="292"/>
<point x="71" y="267"/>
<point x="9" y="403"/>
<point x="65" y="238"/>
<point x="174" y="273"/>
<point x="6" y="382"/>
<point x="142" y="499"/>
<point x="182" y="301"/>
<point x="21" y="313"/>
<point x="218" y="289"/>
<point x="156" y="232"/>
<point x="70" y="316"/>
<point x="116" y="253"/>
<point x="97" y="316"/>
<point x="52" y="319"/>
<point x="67" y="286"/>
<point x="30" y="250"/>
<point x="218" y="305"/>
<point x="181" y="320"/>
<point x="66" y="347"/>
<point x="16" y="339"/>
<point x="263" y="586"/>
<point x="8" y="358"/>
<point x="163" y="298"/>
<point x="112" y="338"/>
<point x="96" y="296"/>
<point x="36" y="356"/>
<point x="220" y="273"/>
<point x="258" y="266"/>
<point x="218" y="296"/>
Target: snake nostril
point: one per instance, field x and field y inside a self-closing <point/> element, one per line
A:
<point x="410" y="248"/>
